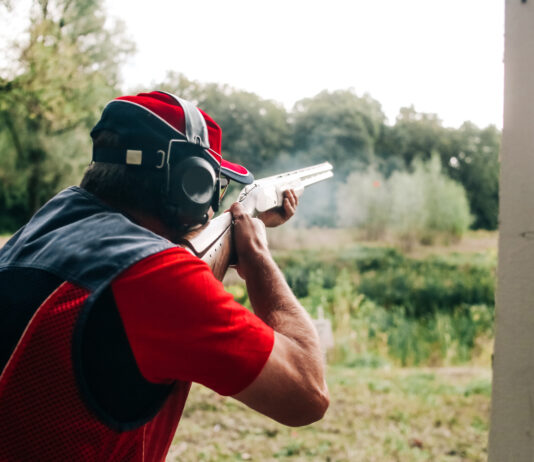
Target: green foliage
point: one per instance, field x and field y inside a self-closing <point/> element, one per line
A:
<point x="66" y="70"/>
<point x="299" y="266"/>
<point x="415" y="135"/>
<point x="475" y="163"/>
<point x="385" y="305"/>
<point x="430" y="285"/>
<point x="413" y="206"/>
<point x="339" y="127"/>
<point x="469" y="155"/>
<point x="255" y="131"/>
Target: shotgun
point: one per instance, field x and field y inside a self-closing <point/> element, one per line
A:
<point x="213" y="243"/>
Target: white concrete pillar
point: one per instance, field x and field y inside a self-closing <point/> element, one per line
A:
<point x="512" y="414"/>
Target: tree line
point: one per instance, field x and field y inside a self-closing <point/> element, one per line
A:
<point x="61" y="76"/>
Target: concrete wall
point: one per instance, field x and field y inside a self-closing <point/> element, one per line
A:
<point x="512" y="415"/>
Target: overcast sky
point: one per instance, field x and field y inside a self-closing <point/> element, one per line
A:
<point x="442" y="56"/>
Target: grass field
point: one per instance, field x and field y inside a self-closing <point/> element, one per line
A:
<point x="287" y="238"/>
<point x="375" y="415"/>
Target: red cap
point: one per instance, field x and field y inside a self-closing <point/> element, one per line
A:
<point x="169" y="111"/>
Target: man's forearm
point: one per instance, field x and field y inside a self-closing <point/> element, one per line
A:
<point x="274" y="302"/>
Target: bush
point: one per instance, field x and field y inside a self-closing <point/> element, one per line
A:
<point x="364" y="202"/>
<point x="385" y="305"/>
<point x="418" y="206"/>
<point x="428" y="286"/>
<point x="299" y="266"/>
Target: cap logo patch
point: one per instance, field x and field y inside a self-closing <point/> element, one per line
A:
<point x="134" y="157"/>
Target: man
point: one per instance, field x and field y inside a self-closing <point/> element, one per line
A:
<point x="105" y="321"/>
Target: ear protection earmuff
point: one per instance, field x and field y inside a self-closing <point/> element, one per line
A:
<point x="192" y="186"/>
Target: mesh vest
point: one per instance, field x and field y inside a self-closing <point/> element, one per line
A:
<point x="66" y="392"/>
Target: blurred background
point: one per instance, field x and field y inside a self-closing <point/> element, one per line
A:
<point x="398" y="251"/>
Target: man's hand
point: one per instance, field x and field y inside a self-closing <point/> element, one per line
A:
<point x="279" y="215"/>
<point x="250" y="240"/>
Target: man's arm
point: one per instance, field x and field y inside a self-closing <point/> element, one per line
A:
<point x="291" y="387"/>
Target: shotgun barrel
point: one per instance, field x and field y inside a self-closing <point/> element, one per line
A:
<point x="267" y="193"/>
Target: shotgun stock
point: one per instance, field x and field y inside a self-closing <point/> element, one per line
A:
<point x="213" y="243"/>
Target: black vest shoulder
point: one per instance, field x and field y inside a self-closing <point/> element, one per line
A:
<point x="79" y="239"/>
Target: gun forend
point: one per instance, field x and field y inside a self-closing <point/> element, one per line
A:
<point x="267" y="193"/>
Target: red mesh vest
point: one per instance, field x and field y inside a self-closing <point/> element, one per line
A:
<point x="46" y="412"/>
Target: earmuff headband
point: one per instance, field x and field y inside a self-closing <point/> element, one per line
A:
<point x="196" y="130"/>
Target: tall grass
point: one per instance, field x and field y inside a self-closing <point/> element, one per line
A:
<point x="386" y="307"/>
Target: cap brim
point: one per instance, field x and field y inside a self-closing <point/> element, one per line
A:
<point x="233" y="171"/>
<point x="236" y="172"/>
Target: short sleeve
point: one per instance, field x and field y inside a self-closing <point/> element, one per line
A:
<point x="183" y="325"/>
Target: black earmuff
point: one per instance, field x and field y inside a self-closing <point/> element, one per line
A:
<point x="192" y="184"/>
<point x="191" y="187"/>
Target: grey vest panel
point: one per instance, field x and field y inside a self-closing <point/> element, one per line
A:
<point x="81" y="240"/>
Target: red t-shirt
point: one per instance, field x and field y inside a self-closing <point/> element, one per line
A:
<point x="183" y="325"/>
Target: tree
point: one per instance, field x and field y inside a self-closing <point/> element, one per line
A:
<point x="474" y="162"/>
<point x="419" y="206"/>
<point x="341" y="128"/>
<point x="469" y="155"/>
<point x="415" y="135"/>
<point x="338" y="127"/>
<point x="51" y="95"/>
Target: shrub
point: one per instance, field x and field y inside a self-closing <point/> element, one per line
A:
<point x="428" y="286"/>
<point x="364" y="202"/>
<point x="385" y="305"/>
<point x="418" y="206"/>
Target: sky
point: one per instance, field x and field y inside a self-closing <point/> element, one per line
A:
<point x="442" y="56"/>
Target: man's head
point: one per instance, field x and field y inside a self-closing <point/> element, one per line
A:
<point x="160" y="155"/>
